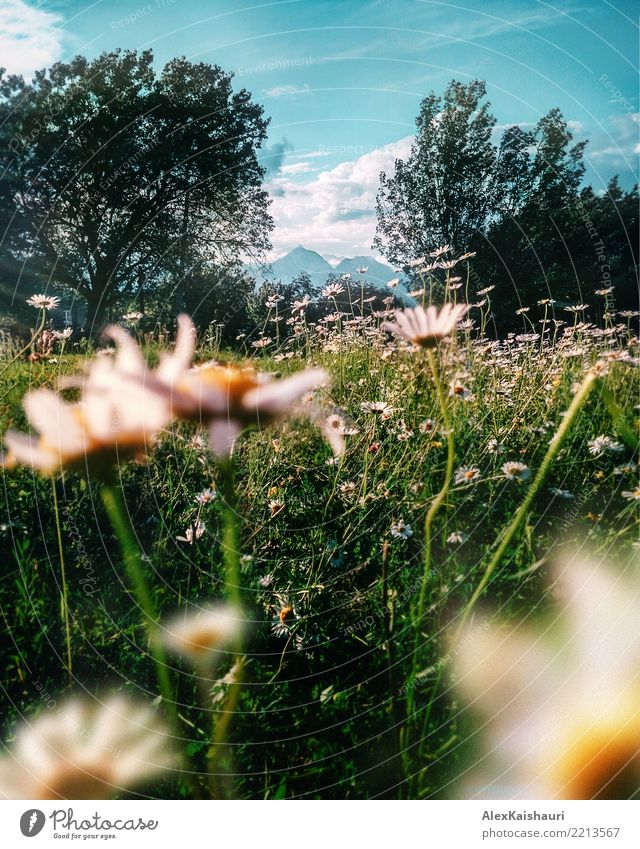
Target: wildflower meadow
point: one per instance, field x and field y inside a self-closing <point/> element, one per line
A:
<point x="319" y="421"/>
<point x="284" y="561"/>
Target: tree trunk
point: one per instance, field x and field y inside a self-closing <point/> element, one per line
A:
<point x="96" y="312"/>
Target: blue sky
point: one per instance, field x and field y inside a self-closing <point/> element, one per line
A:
<point x="342" y="80"/>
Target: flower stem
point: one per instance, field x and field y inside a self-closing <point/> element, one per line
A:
<point x="64" y="598"/>
<point x="119" y="517"/>
<point x="218" y="752"/>
<point x="436" y="504"/>
<point x="117" y="512"/>
<point x="432" y="512"/>
<point x="554" y="446"/>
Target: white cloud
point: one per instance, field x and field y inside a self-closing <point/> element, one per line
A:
<point x="30" y="39"/>
<point x="312" y="154"/>
<point x="279" y="90"/>
<point x="296" y="168"/>
<point x="618" y="144"/>
<point x="335" y="212"/>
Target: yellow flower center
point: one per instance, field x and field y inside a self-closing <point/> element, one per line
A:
<point x="603" y="762"/>
<point x="76" y="781"/>
<point x="235" y="383"/>
<point x="201" y="638"/>
<point x="286" y="614"/>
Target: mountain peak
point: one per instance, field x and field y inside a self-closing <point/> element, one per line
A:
<point x="303" y="260"/>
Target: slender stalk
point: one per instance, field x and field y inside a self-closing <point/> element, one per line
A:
<point x="64" y="599"/>
<point x="552" y="452"/>
<point x="116" y="510"/>
<point x="231" y="562"/>
<point x="554" y="446"/>
<point x="119" y="517"/>
<point x="437" y="503"/>
<point x="432" y="512"/>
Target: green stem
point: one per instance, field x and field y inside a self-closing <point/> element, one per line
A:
<point x="231" y="562"/>
<point x="117" y="512"/>
<point x="64" y="598"/>
<point x="554" y="447"/>
<point x="552" y="452"/>
<point x="119" y="517"/>
<point x="432" y="512"/>
<point x="436" y="504"/>
<point x="230" y="533"/>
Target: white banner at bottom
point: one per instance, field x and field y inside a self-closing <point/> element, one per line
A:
<point x="319" y="824"/>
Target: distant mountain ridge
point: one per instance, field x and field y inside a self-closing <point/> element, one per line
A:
<point x="301" y="259"/>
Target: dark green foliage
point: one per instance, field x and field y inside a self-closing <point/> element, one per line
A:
<point x="115" y="178"/>
<point x="517" y="203"/>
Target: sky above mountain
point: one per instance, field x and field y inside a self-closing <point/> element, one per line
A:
<point x="342" y="80"/>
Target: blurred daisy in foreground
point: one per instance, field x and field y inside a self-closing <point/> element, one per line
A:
<point x="116" y="418"/>
<point x="227" y="399"/>
<point x="201" y="633"/>
<point x="561" y="707"/>
<point x="85" y="750"/>
<point x="426" y="327"/>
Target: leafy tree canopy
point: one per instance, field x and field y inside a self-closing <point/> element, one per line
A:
<point x="114" y="175"/>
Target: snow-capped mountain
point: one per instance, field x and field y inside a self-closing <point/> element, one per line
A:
<point x="332" y="259"/>
<point x="319" y="267"/>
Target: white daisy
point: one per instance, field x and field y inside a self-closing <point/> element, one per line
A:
<point x="85" y="750"/>
<point x="513" y="470"/>
<point x="400" y="530"/>
<point x="228" y="399"/>
<point x="604" y="444"/>
<point x="207" y="496"/>
<point x="560" y="707"/>
<point x="285" y="616"/>
<point x="467" y="474"/>
<point x="44" y="302"/>
<point x="200" y="633"/>
<point x="193" y="533"/>
<point x="426" y="327"/>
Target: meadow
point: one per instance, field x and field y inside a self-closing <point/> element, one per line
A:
<point x="295" y="614"/>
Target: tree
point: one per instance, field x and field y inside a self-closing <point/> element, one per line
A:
<point x="221" y="297"/>
<point x="525" y="244"/>
<point x="441" y="193"/>
<point x="116" y="176"/>
<point x="519" y="206"/>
